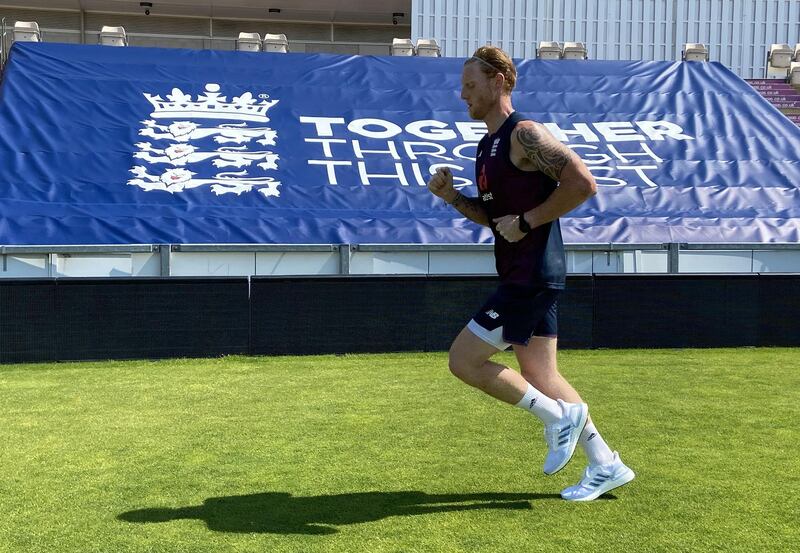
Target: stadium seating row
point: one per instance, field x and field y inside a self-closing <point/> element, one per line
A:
<point x="784" y="96"/>
<point x="782" y="60"/>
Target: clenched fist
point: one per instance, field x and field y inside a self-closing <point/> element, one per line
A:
<point x="441" y="184"/>
<point x="508" y="227"/>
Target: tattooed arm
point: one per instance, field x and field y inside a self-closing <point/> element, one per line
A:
<point x="441" y="184"/>
<point x="470" y="208"/>
<point x="533" y="148"/>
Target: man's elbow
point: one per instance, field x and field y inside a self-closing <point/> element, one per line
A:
<point x="591" y="187"/>
<point x="586" y="187"/>
<point x="580" y="181"/>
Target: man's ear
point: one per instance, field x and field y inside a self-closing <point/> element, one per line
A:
<point x="500" y="81"/>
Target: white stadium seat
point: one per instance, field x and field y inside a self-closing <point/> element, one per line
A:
<point x="796" y="56"/>
<point x="548" y="50"/>
<point x="113" y="36"/>
<point x="248" y="42"/>
<point x="276" y="43"/>
<point x="402" y="47"/>
<point x="794" y="73"/>
<point x="428" y="47"/>
<point x="694" y="51"/>
<point x="780" y="56"/>
<point x="27" y="31"/>
<point x="575" y="51"/>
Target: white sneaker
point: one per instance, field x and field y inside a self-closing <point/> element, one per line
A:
<point x="599" y="479"/>
<point x="562" y="436"/>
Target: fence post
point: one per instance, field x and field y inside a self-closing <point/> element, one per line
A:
<point x="344" y="259"/>
<point x="164" y="252"/>
<point x="2" y="42"/>
<point x="673" y="257"/>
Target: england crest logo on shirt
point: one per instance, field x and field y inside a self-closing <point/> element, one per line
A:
<point x="192" y="142"/>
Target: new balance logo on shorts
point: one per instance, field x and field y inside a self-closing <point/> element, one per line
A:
<point x="493" y="314"/>
<point x="533" y="402"/>
<point x="592" y="435"/>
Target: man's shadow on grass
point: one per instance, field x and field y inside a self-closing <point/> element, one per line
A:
<point x="281" y="513"/>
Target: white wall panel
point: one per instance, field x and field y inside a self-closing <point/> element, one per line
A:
<point x="389" y="263"/>
<point x="607" y="262"/>
<point x="146" y="264"/>
<point x="737" y="32"/>
<point x="645" y="261"/>
<point x="297" y="263"/>
<point x="21" y="266"/>
<point x="705" y="261"/>
<point x="579" y="262"/>
<point x="212" y="264"/>
<point x="776" y="262"/>
<point x="458" y="263"/>
<point x="81" y="265"/>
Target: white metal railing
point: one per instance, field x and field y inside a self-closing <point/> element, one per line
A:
<point x="596" y="258"/>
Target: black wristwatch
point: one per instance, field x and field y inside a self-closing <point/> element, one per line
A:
<point x="523" y="224"/>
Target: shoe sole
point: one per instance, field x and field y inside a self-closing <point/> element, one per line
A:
<point x="607" y="487"/>
<point x="574" y="439"/>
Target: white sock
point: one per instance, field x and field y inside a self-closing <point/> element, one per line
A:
<point x="595" y="446"/>
<point x="548" y="410"/>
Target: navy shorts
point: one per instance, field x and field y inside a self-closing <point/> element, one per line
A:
<point x="515" y="313"/>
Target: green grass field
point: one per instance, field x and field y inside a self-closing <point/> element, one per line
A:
<point x="382" y="453"/>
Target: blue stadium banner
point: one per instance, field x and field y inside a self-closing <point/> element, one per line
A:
<point x="102" y="145"/>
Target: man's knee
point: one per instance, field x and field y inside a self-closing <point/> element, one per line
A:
<point x="462" y="366"/>
<point x="457" y="364"/>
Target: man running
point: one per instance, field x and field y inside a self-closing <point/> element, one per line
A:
<point x="526" y="180"/>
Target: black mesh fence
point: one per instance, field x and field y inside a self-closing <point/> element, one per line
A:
<point x="362" y="314"/>
<point x="126" y="318"/>
<point x="70" y="319"/>
<point x="683" y="311"/>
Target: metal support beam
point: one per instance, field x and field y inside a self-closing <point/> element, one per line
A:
<point x="241" y="248"/>
<point x="78" y="249"/>
<point x="52" y="265"/>
<point x="164" y="251"/>
<point x="2" y="43"/>
<point x="422" y="247"/>
<point x="673" y="257"/>
<point x="345" y="251"/>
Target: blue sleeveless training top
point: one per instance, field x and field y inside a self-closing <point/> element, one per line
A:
<point x="504" y="189"/>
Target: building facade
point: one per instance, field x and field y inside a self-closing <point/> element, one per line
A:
<point x="738" y="33"/>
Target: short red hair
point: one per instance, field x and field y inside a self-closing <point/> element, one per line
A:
<point x="493" y="60"/>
